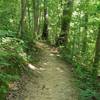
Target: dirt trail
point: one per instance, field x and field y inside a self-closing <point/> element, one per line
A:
<point x="54" y="80"/>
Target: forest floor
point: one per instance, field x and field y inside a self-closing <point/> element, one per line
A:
<point x="53" y="79"/>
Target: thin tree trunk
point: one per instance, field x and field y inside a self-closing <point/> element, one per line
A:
<point x="45" y="27"/>
<point x="65" y="26"/>
<point x="85" y="34"/>
<point x="22" y="20"/>
<point x="29" y="15"/>
<point x="36" y="15"/>
<point x="85" y="17"/>
<point x="97" y="54"/>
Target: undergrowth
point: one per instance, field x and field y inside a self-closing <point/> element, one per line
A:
<point x="15" y="54"/>
<point x="32" y="51"/>
<point x="13" y="60"/>
<point x="86" y="83"/>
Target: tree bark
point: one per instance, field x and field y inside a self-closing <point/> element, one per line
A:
<point x="97" y="54"/>
<point x="23" y="19"/>
<point x="84" y="47"/>
<point x="29" y="15"/>
<point x="36" y="15"/>
<point x="66" y="18"/>
<point x="45" y="26"/>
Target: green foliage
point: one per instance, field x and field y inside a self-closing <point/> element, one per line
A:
<point x="4" y="81"/>
<point x="86" y="83"/>
<point x="7" y="33"/>
<point x="12" y="61"/>
<point x="9" y="15"/>
<point x="79" y="51"/>
<point x="32" y="51"/>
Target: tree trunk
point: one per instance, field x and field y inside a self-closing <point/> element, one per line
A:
<point x="22" y="20"/>
<point x="36" y="15"/>
<point x="45" y="26"/>
<point x="84" y="47"/>
<point x="85" y="21"/>
<point x="29" y="15"/>
<point x="66" y="18"/>
<point x="97" y="54"/>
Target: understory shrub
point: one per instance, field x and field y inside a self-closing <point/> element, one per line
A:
<point x="87" y="84"/>
<point x="13" y="59"/>
<point x="32" y="51"/>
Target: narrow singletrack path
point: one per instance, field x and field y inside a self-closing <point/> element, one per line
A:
<point x="54" y="81"/>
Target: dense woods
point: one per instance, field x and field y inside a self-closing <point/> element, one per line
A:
<point x="72" y="26"/>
